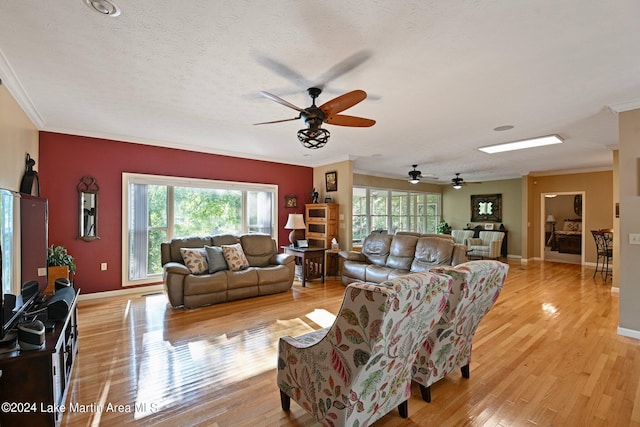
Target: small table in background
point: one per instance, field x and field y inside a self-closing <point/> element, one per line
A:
<point x="333" y="263"/>
<point x="311" y="264"/>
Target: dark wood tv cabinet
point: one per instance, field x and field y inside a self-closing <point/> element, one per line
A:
<point x="33" y="384"/>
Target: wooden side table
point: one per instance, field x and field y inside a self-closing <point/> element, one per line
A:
<point x="311" y="262"/>
<point x="333" y="263"/>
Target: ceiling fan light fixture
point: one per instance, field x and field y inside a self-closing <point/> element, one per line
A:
<point x="414" y="175"/>
<point x="313" y="138"/>
<point x="457" y="181"/>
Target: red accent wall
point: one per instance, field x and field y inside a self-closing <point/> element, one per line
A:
<point x="65" y="159"/>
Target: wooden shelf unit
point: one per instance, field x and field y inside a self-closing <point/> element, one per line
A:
<point x="36" y="381"/>
<point x="322" y="224"/>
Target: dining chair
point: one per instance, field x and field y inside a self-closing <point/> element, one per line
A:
<point x="604" y="249"/>
<point x="607" y="249"/>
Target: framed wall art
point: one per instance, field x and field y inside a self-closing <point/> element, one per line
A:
<point x="486" y="207"/>
<point x="331" y="179"/>
<point x="290" y="201"/>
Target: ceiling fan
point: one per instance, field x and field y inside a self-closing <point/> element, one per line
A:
<point x="457" y="182"/>
<point x="415" y="175"/>
<point x="314" y="136"/>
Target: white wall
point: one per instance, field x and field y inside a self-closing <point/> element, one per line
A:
<point x="629" y="172"/>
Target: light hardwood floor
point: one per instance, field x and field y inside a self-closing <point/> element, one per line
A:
<point x="546" y="354"/>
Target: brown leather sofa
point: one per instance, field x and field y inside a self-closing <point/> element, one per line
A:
<point x="269" y="272"/>
<point x="385" y="256"/>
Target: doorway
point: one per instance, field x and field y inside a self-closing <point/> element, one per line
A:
<point x="562" y="238"/>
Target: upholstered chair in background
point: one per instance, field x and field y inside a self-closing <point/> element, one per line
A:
<point x="359" y="369"/>
<point x="488" y="244"/>
<point x="476" y="287"/>
<point x="461" y="236"/>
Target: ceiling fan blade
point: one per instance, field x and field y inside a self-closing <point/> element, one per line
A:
<point x="277" y="121"/>
<point x="280" y="101"/>
<point x="344" y="120"/>
<point x="343" y="102"/>
<point x="285" y="71"/>
<point x="343" y="67"/>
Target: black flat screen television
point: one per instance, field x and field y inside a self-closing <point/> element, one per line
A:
<point x="23" y="250"/>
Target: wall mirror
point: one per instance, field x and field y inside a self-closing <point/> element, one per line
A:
<point x="486" y="207"/>
<point x="88" y="194"/>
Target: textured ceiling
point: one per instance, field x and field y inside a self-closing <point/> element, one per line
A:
<point x="440" y="77"/>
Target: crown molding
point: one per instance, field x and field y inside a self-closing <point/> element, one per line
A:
<point x="15" y="88"/>
<point x="621" y="107"/>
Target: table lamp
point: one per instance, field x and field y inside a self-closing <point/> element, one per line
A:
<point x="551" y="219"/>
<point x="295" y="223"/>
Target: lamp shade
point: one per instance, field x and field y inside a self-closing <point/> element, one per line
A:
<point x="295" y="222"/>
<point x="551" y="218"/>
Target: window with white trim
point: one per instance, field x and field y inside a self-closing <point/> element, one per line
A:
<point x="156" y="209"/>
<point x="376" y="209"/>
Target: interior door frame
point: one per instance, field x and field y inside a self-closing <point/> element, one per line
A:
<point x="543" y="217"/>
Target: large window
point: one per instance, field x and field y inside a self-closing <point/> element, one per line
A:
<point x="9" y="240"/>
<point x="391" y="211"/>
<point x="157" y="209"/>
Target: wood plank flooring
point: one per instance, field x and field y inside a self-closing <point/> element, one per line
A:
<point x="547" y="354"/>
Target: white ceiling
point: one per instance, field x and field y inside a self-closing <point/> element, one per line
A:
<point x="440" y="75"/>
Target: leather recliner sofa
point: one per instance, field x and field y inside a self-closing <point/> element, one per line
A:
<point x="269" y="272"/>
<point x="385" y="256"/>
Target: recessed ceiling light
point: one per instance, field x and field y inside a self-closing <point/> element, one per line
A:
<point x="103" y="7"/>
<point x="519" y="145"/>
<point x="501" y="128"/>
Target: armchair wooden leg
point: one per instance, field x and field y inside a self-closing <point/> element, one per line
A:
<point x="426" y="393"/>
<point x="285" y="401"/>
<point x="465" y="371"/>
<point x="403" y="408"/>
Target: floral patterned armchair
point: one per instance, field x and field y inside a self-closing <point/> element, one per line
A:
<point x="359" y="369"/>
<point x="476" y="287"/>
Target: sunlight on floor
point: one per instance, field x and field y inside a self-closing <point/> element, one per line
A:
<point x="168" y="371"/>
<point x="322" y="317"/>
<point x="549" y="308"/>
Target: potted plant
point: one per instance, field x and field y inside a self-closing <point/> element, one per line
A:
<point x="60" y="265"/>
<point x="444" y="228"/>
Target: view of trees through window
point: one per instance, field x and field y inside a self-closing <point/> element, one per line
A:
<point x="159" y="211"/>
<point x="392" y="210"/>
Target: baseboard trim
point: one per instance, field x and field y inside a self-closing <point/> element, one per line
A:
<point x="631" y="333"/>
<point x="136" y="290"/>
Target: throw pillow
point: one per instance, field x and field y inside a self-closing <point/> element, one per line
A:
<point x="195" y="259"/>
<point x="571" y="226"/>
<point x="234" y="255"/>
<point x="215" y="258"/>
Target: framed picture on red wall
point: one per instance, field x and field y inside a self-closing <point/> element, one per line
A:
<point x="290" y="201"/>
